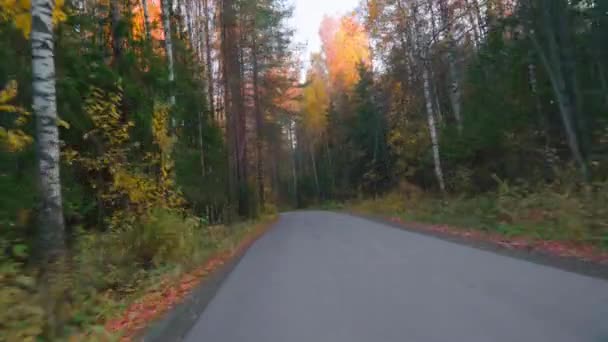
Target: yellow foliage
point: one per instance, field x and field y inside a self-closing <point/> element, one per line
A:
<point x="13" y="140"/>
<point x="19" y="11"/>
<point x="130" y="193"/>
<point x="315" y="105"/>
<point x="160" y="122"/>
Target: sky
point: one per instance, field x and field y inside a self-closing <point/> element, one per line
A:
<point x="307" y="18"/>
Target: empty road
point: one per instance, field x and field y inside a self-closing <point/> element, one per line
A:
<point x="326" y="277"/>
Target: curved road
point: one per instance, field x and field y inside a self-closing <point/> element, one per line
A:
<point x="325" y="277"/>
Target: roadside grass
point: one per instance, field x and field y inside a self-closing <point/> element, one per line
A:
<point x="110" y="272"/>
<point x="555" y="212"/>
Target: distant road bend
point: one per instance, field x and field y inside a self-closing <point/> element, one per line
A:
<point x="326" y="277"/>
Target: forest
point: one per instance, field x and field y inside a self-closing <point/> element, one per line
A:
<point x="139" y="136"/>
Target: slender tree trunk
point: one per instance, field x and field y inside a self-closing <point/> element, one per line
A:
<point x="534" y="87"/>
<point x="259" y="122"/>
<point x="432" y="128"/>
<point x="234" y="104"/>
<point x="481" y="23"/>
<point x="407" y="31"/>
<point x="166" y="9"/>
<point x="117" y="41"/>
<point x="435" y="96"/>
<point x="51" y="221"/>
<point x="330" y="167"/>
<point x="565" y="108"/>
<point x="567" y="51"/>
<point x="552" y="61"/>
<point x="604" y="84"/>
<point x="291" y="139"/>
<point x="454" y="86"/>
<point x="208" y="61"/>
<point x="188" y="17"/>
<point x="144" y="6"/>
<point x="201" y="144"/>
<point x="474" y="24"/>
<point x="177" y="13"/>
<point x="314" y="169"/>
<point x="421" y="53"/>
<point x="455" y="93"/>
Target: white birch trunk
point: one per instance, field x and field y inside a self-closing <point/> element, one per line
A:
<point x="166" y="9"/>
<point x="47" y="134"/>
<point x="421" y="54"/>
<point x="208" y="60"/>
<point x="474" y="25"/>
<point x="432" y="128"/>
<point x="51" y="222"/>
<point x="144" y="6"/>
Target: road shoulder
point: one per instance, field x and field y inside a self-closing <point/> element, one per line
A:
<point x="570" y="264"/>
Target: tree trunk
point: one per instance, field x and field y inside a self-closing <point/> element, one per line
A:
<point x="259" y="122"/>
<point x="51" y="221"/>
<point x="330" y="169"/>
<point x="603" y="83"/>
<point x="291" y="140"/>
<point x="480" y="22"/>
<point x="552" y="61"/>
<point x="421" y="53"/>
<point x="166" y="10"/>
<point x="208" y="61"/>
<point x="234" y="105"/>
<point x="314" y="169"/>
<point x="432" y="128"/>
<point x="117" y="40"/>
<point x="144" y="6"/>
<point x="454" y="87"/>
<point x="474" y="24"/>
<point x="201" y="144"/>
<point x="565" y="109"/>
<point x="437" y="105"/>
<point x="188" y="19"/>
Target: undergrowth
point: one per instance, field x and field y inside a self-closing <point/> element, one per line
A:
<point x="107" y="271"/>
<point x="559" y="211"/>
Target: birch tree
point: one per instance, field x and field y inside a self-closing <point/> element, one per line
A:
<point x="422" y="43"/>
<point x="166" y="13"/>
<point x="51" y="222"/>
<point x="144" y="7"/>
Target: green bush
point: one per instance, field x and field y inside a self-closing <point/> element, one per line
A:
<point x="162" y="238"/>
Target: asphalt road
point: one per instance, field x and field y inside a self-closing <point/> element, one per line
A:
<point x="325" y="277"/>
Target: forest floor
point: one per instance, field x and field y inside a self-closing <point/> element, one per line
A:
<point x="172" y="287"/>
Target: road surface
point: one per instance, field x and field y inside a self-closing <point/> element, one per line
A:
<point x="326" y="277"/>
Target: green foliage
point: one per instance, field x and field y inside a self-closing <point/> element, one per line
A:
<point x="558" y="211"/>
<point x="21" y="316"/>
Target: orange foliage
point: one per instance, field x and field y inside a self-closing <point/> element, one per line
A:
<point x="346" y="45"/>
<point x="155" y="17"/>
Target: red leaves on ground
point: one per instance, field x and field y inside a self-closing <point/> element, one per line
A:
<point x="556" y="248"/>
<point x="170" y="293"/>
